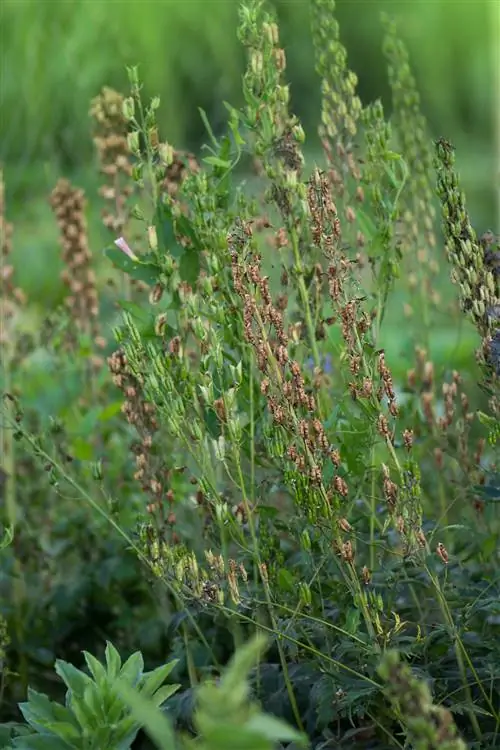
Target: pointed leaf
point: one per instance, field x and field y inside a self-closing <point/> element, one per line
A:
<point x="133" y="668"/>
<point x="154" y="722"/>
<point x="96" y="669"/>
<point x="113" y="661"/>
<point x="164" y="693"/>
<point x="151" y="681"/>
<point x="74" y="678"/>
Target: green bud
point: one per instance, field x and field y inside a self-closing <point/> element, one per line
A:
<point x="305" y="540"/>
<point x="305" y="594"/>
<point x="133" y="142"/>
<point x="128" y="108"/>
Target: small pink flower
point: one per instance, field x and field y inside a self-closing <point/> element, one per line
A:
<point x="123" y="246"/>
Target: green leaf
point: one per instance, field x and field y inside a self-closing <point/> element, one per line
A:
<point x="146" y="272"/>
<point x="113" y="661"/>
<point x="83" y="712"/>
<point x="215" y="161"/>
<point x="165" y="230"/>
<point x="126" y="729"/>
<point x="64" y="730"/>
<point x="155" y="724"/>
<point x="163" y="694"/>
<point x="96" y="669"/>
<point x="133" y="668"/>
<point x="41" y="742"/>
<point x="189" y="266"/>
<point x="286" y="581"/>
<point x="242" y="662"/>
<point x="44" y="709"/>
<point x="74" y="678"/>
<point x="94" y="699"/>
<point x="274" y="729"/>
<point x="352" y="620"/>
<point x="151" y="681"/>
<point x="185" y="228"/>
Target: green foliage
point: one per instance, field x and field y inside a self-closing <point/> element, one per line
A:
<point x="223" y="716"/>
<point x="266" y="451"/>
<point x="94" y="715"/>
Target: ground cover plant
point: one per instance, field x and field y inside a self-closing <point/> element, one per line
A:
<point x="237" y="445"/>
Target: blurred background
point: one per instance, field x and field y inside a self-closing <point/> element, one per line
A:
<point x="57" y="54"/>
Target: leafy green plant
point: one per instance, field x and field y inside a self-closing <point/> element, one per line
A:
<point x="224" y="716"/>
<point x="94" y="714"/>
<point x="276" y="454"/>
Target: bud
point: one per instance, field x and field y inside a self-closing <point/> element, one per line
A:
<point x="133" y="75"/>
<point x="257" y="63"/>
<point x="97" y="471"/>
<point x="305" y="540"/>
<point x="128" y="108"/>
<point x="166" y="152"/>
<point x="133" y="142"/>
<point x="152" y="239"/>
<point x="305" y="594"/>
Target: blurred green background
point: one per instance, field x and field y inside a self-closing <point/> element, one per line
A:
<point x="57" y="54"/>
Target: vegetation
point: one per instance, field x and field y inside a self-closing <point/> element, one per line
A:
<point x="221" y="440"/>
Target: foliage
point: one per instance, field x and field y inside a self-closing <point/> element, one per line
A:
<point x="255" y="438"/>
<point x="94" y="714"/>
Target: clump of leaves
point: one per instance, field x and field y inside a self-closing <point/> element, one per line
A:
<point x="94" y="714"/>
